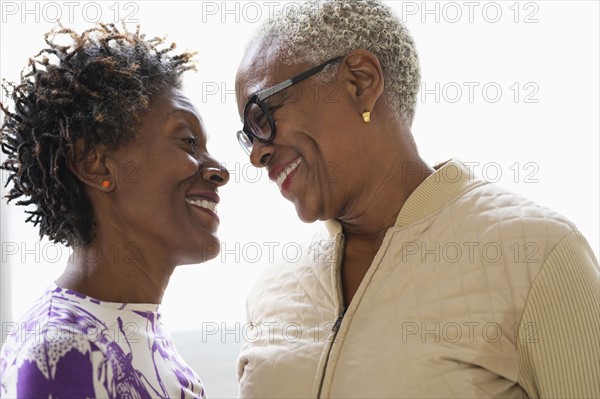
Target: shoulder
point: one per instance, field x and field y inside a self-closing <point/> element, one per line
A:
<point x="42" y="353"/>
<point x="500" y="215"/>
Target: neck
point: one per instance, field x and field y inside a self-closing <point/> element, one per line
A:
<point x="376" y="209"/>
<point x="116" y="271"/>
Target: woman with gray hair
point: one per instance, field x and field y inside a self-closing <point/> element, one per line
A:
<point x="327" y="94"/>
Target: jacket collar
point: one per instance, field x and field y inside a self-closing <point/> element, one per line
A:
<point x="450" y="179"/>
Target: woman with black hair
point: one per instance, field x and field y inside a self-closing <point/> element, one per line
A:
<point x="112" y="157"/>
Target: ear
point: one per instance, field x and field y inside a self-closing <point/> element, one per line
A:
<point x="364" y="75"/>
<point x="91" y="167"/>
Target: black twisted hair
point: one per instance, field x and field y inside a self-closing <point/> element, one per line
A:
<point x="92" y="91"/>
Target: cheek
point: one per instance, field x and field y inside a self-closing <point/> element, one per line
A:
<point x="152" y="180"/>
<point x="173" y="165"/>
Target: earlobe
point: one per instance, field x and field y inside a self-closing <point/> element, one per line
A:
<point x="366" y="80"/>
<point x="106" y="185"/>
<point x="91" y="167"/>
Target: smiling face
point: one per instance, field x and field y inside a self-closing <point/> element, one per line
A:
<point x="164" y="194"/>
<point x="317" y="155"/>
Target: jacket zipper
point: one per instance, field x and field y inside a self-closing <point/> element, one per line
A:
<point x="338" y="322"/>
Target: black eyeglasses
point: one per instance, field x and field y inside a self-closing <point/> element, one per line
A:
<point x="258" y="122"/>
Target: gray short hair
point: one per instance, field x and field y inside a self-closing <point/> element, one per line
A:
<point x="317" y="30"/>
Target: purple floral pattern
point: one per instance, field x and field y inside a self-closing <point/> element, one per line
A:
<point x="69" y="345"/>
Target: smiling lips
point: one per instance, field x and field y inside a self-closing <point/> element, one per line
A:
<point x="203" y="203"/>
<point x="206" y="201"/>
<point x="285" y="173"/>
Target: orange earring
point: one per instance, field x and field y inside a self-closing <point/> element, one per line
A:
<point x="105" y="184"/>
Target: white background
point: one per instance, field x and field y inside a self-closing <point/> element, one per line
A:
<point x="543" y="139"/>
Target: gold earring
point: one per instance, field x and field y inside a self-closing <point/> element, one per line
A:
<point x="366" y="116"/>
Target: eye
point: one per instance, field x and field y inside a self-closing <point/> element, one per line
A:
<point x="260" y="119"/>
<point x="193" y="142"/>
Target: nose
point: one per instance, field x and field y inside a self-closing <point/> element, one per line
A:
<point x="215" y="174"/>
<point x="261" y="154"/>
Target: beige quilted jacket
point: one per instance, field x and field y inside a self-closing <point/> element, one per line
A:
<point x="475" y="292"/>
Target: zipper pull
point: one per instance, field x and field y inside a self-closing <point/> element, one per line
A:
<point x="338" y="322"/>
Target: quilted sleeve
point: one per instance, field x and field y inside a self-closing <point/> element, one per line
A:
<point x="559" y="335"/>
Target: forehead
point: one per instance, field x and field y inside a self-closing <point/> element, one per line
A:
<point x="172" y="101"/>
<point x="260" y="68"/>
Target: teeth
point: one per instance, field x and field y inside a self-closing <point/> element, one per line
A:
<point x="285" y="173"/>
<point x="211" y="206"/>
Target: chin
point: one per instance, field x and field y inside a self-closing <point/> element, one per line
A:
<point x="305" y="215"/>
<point x="206" y="251"/>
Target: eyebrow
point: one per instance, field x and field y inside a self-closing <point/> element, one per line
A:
<point x="187" y="114"/>
<point x="182" y="111"/>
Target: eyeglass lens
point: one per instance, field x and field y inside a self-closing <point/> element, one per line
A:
<point x="258" y="123"/>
